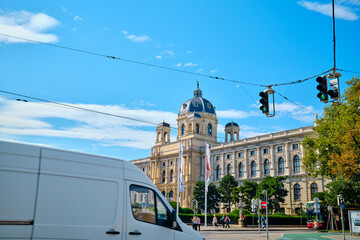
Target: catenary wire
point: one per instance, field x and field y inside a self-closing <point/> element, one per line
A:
<point x="160" y="66"/>
<point x="286" y="98"/>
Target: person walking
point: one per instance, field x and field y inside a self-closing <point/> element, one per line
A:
<point x="194" y="222"/>
<point x="262" y="222"/>
<point x="198" y="223"/>
<point x="222" y="221"/>
<point x="227" y="221"/>
<point x="243" y="218"/>
<point x="214" y="221"/>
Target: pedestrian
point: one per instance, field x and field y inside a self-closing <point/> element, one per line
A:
<point x="262" y="222"/>
<point x="243" y="218"/>
<point x="214" y="221"/>
<point x="222" y="221"/>
<point x="198" y="223"/>
<point x="194" y="222"/>
<point x="227" y="221"/>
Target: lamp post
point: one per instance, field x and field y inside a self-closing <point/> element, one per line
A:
<point x="341" y="204"/>
<point x="241" y="221"/>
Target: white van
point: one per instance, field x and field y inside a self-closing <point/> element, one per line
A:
<point x="48" y="193"/>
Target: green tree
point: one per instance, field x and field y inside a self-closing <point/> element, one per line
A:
<point x="213" y="196"/>
<point x="248" y="190"/>
<point x="334" y="151"/>
<point x="227" y="185"/>
<point x="276" y="192"/>
<point x="349" y="188"/>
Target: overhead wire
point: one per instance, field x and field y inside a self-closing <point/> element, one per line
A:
<point x="90" y="110"/>
<point x="160" y="66"/>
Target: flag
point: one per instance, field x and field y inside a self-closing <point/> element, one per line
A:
<point x="208" y="167"/>
<point x="181" y="178"/>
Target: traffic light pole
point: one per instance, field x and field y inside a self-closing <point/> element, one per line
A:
<point x="267" y="219"/>
<point x="259" y="215"/>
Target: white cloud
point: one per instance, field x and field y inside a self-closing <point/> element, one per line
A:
<point x="190" y="64"/>
<point x="77" y="18"/>
<point x="27" y="25"/>
<point x="199" y="71"/>
<point x="304" y="113"/>
<point x="178" y="65"/>
<point x="158" y="57"/>
<point x="134" y="38"/>
<point x="213" y="71"/>
<point x="341" y="12"/>
<point x="46" y="120"/>
<point x="167" y="52"/>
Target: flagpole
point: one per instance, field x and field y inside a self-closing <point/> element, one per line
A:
<point x="178" y="182"/>
<point x="205" y="177"/>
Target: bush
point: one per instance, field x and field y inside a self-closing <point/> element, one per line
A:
<point x="245" y="212"/>
<point x="187" y="211"/>
<point x="174" y="205"/>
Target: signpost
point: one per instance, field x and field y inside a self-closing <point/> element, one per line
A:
<point x="267" y="219"/>
<point x="341" y="203"/>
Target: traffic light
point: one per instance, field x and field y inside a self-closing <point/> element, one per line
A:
<point x="264" y="102"/>
<point x="322" y="87"/>
<point x="334" y="93"/>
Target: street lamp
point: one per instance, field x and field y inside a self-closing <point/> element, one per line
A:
<point x="241" y="221"/>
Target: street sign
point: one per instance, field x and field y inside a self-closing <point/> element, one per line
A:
<point x="263" y="205"/>
<point x="342" y="206"/>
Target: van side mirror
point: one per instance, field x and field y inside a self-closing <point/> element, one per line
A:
<point x="172" y="220"/>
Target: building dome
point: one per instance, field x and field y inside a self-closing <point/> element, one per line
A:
<point x="197" y="104"/>
<point x="232" y="124"/>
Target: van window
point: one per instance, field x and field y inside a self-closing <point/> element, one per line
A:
<point x="151" y="208"/>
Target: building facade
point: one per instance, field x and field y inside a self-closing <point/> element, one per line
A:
<point x="251" y="159"/>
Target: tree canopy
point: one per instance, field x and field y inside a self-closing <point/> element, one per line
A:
<point x="213" y="196"/>
<point x="226" y="187"/>
<point x="334" y="151"/>
<point x="276" y="192"/>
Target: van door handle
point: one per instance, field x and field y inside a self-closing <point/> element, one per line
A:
<point x="136" y="232"/>
<point x="113" y="232"/>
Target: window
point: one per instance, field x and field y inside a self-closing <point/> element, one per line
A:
<point x="240" y="154"/>
<point x="163" y="164"/>
<point x="163" y="177"/>
<point x="182" y="129"/>
<point x="217" y="158"/>
<point x="163" y="193"/>
<point x="296" y="164"/>
<point x="197" y="128"/>
<point x="172" y="175"/>
<point x="252" y="153"/>
<point x="171" y="195"/>
<point x="143" y="210"/>
<point x="228" y="156"/>
<point x="218" y="172"/>
<point x="266" y="150"/>
<point x="267" y="167"/>
<point x="143" y="169"/>
<point x="297" y="194"/>
<point x="314" y="189"/>
<point x="279" y="149"/>
<point x="209" y="129"/>
<point x="229" y="169"/>
<point x="171" y="162"/>
<point x="150" y="208"/>
<point x="241" y="170"/>
<point x="253" y="168"/>
<point x="295" y="146"/>
<point x="281" y="166"/>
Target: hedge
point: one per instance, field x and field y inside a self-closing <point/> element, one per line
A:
<point x="273" y="219"/>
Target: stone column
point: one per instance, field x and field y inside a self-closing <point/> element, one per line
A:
<point x="246" y="164"/>
<point x="260" y="169"/>
<point x="272" y="159"/>
<point x="234" y="165"/>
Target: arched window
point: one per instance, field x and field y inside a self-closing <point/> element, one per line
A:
<point x="171" y="195"/>
<point x="297" y="193"/>
<point x="190" y="128"/>
<point x="253" y="169"/>
<point x="241" y="170"/>
<point x="236" y="137"/>
<point x="229" y="168"/>
<point x="218" y="172"/>
<point x="228" y="136"/>
<point x="314" y="189"/>
<point x="182" y="129"/>
<point x="171" y="175"/>
<point x="281" y="166"/>
<point x="197" y="128"/>
<point x="267" y="167"/>
<point x="165" y="136"/>
<point x="163" y="177"/>
<point x="296" y="164"/>
<point x="163" y="193"/>
<point x="209" y="129"/>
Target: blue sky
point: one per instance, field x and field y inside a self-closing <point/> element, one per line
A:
<point x="260" y="42"/>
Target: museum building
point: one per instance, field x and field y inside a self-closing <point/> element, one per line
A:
<point x="251" y="159"/>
